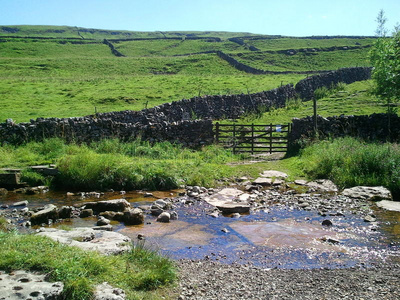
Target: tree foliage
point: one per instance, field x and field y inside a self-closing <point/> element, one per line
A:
<point x="385" y="59"/>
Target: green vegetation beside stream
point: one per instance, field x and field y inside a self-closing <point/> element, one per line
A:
<point x="112" y="164"/>
<point x="139" y="272"/>
<point x="350" y="162"/>
<point x="139" y="165"/>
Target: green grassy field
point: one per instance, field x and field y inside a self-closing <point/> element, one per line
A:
<point x="25" y="98"/>
<point x="293" y="43"/>
<point x="304" y="61"/>
<point x="174" y="47"/>
<point x="64" y="78"/>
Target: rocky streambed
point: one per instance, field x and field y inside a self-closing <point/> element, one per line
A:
<point x="254" y="239"/>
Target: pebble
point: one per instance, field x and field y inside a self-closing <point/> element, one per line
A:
<point x="236" y="281"/>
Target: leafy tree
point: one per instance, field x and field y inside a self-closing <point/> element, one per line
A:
<point x="385" y="59"/>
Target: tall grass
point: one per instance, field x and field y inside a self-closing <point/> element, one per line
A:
<point x="324" y="91"/>
<point x="113" y="164"/>
<point x="351" y="162"/>
<point x="137" y="272"/>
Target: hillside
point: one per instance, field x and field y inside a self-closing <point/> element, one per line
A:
<point x="59" y="71"/>
<point x="91" y="33"/>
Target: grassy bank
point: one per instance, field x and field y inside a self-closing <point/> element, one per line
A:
<point x="350" y="162"/>
<point x="113" y="164"/>
<point x="139" y="272"/>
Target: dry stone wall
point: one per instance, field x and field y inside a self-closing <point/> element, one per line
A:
<point x="374" y="127"/>
<point x="112" y="48"/>
<point x="188" y="122"/>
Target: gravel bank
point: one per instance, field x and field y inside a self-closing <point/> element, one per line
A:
<point x="213" y="280"/>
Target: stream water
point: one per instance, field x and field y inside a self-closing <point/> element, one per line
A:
<point x="278" y="237"/>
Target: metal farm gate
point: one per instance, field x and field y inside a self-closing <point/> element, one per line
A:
<point x="253" y="138"/>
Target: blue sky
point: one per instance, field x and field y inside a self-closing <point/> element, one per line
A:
<point x="284" y="17"/>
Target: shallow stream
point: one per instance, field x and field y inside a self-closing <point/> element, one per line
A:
<point x="278" y="236"/>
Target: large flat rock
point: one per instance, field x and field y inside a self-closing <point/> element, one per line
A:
<point x="105" y="242"/>
<point x="288" y="233"/>
<point x="323" y="185"/>
<point x="372" y="193"/>
<point x="25" y="285"/>
<point x="229" y="200"/>
<point x="389" y="205"/>
<point x="105" y="291"/>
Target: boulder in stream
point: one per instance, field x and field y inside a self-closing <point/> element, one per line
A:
<point x="323" y="185"/>
<point x="164" y="217"/>
<point x="228" y="201"/>
<point x="49" y="212"/>
<point x="108" y="205"/>
<point x="133" y="217"/>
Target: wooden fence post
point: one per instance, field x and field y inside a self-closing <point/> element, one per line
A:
<point x="270" y="138"/>
<point x="252" y="138"/>
<point x="234" y="138"/>
<point x="217" y="132"/>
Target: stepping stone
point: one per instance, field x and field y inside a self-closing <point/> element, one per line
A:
<point x="229" y="200"/>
